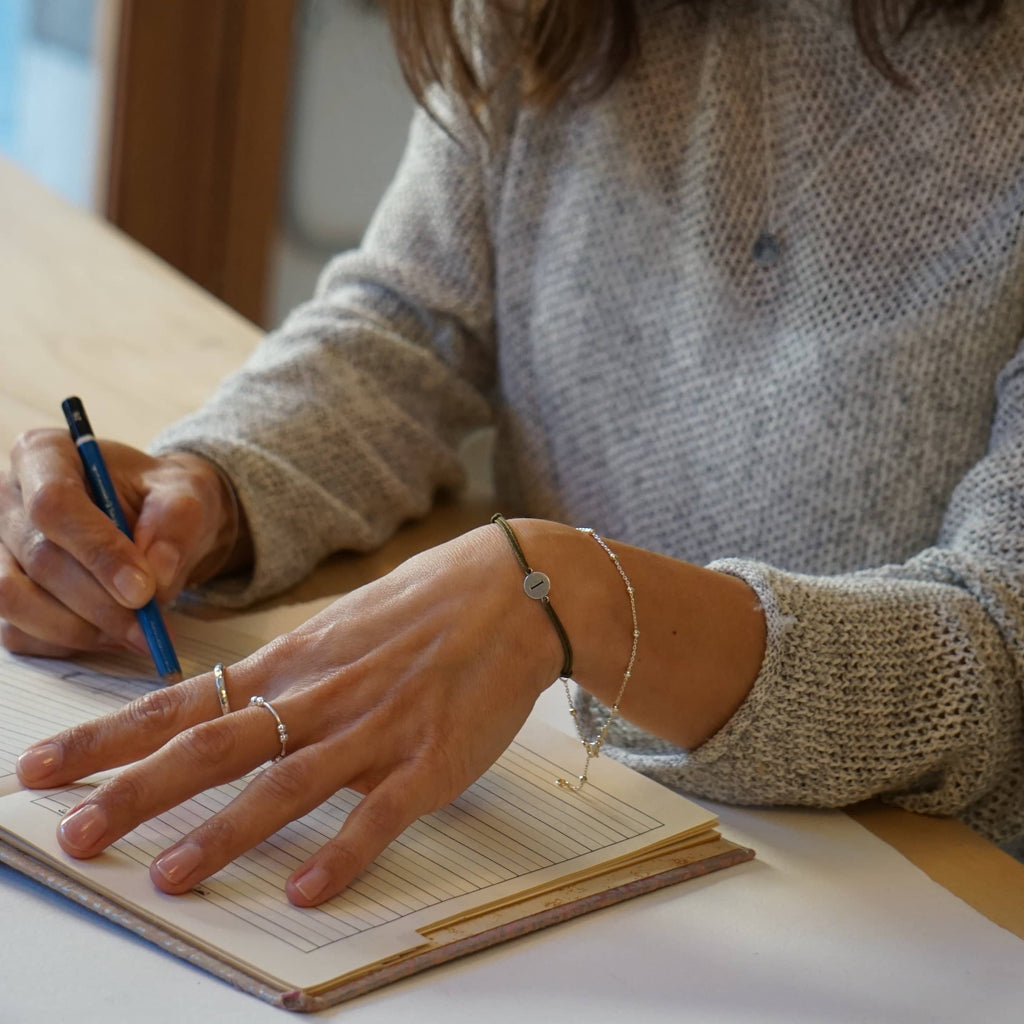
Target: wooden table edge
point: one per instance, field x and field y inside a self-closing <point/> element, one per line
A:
<point x="954" y="856"/>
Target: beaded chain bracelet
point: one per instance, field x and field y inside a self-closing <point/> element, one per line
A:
<point x="593" y="747"/>
<point x="537" y="585"/>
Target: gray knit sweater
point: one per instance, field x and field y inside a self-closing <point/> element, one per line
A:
<point x="843" y="428"/>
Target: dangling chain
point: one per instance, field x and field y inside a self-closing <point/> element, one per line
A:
<point x="593" y="747"/>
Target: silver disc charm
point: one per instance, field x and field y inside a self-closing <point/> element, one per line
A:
<point x="537" y="585"/>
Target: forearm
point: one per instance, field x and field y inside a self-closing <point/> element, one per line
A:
<point x="884" y="684"/>
<point x="346" y="421"/>
<point x="702" y="633"/>
<point x="791" y="689"/>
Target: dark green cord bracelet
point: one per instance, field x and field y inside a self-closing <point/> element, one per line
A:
<point x="537" y="586"/>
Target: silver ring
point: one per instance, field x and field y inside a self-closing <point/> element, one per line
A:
<point x="282" y="732"/>
<point x="222" y="690"/>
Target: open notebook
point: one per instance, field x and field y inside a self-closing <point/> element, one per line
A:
<point x="513" y="854"/>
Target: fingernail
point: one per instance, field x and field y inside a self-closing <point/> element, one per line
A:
<point x="39" y="762"/>
<point x="313" y="883"/>
<point x="83" y="827"/>
<point x="165" y="560"/>
<point x="132" y="585"/>
<point x="136" y="639"/>
<point x="177" y="864"/>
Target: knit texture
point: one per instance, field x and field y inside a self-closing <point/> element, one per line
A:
<point x="844" y="429"/>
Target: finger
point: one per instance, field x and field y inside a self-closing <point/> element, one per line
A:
<point x="174" y="535"/>
<point x="203" y="756"/>
<point x="140" y="728"/>
<point x="46" y="468"/>
<point x="128" y="734"/>
<point x="375" y="822"/>
<point x="281" y="793"/>
<point x="187" y="523"/>
<point x="208" y="754"/>
<point x="17" y="642"/>
<point x="41" y="624"/>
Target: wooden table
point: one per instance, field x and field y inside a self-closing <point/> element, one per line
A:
<point x="87" y="312"/>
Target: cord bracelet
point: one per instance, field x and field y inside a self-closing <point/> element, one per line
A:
<point x="537" y="586"/>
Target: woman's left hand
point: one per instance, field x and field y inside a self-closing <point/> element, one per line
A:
<point x="405" y="690"/>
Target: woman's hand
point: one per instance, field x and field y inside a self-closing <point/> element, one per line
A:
<point x="406" y="690"/>
<point x="69" y="579"/>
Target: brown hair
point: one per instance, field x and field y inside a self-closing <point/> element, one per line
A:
<point x="583" y="45"/>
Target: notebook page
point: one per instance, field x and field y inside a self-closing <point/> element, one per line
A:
<point x="42" y="696"/>
<point x="512" y="831"/>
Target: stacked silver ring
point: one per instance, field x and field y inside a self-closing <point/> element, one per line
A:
<point x="254" y="702"/>
<point x="222" y="690"/>
<point x="282" y="732"/>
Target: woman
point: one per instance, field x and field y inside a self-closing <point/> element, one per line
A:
<point x="740" y="287"/>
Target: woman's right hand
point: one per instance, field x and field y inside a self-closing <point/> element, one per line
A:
<point x="69" y="579"/>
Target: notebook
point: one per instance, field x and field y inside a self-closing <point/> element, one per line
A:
<point x="512" y="854"/>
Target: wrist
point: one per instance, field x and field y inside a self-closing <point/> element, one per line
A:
<point x="702" y="633"/>
<point x="589" y="599"/>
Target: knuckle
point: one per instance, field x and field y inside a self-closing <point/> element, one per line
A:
<point x="206" y="743"/>
<point x="342" y="860"/>
<point x="186" y="510"/>
<point x="217" y="833"/>
<point x="30" y="440"/>
<point x="281" y="649"/>
<point x="286" y="782"/>
<point x="123" y="793"/>
<point x="153" y="711"/>
<point x="38" y="557"/>
<point x="382" y="814"/>
<point x="47" y="504"/>
<point x="83" y="739"/>
<point x="444" y="767"/>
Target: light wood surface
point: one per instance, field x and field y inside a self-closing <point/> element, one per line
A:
<point x="86" y="311"/>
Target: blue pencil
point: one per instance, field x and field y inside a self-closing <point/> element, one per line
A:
<point x="105" y="496"/>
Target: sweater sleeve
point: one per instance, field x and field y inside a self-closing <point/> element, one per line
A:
<point x="346" y="421"/>
<point x="902" y="682"/>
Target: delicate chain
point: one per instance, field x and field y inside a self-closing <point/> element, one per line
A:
<point x="593" y="747"/>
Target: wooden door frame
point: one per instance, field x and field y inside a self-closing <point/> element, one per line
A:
<point x="197" y="131"/>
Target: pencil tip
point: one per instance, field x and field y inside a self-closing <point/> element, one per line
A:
<point x="172" y="677"/>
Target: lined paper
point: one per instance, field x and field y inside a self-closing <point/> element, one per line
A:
<point x="473" y="845"/>
<point x="513" y="831"/>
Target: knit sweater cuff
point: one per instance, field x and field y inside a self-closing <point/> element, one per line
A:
<point x="762" y="698"/>
<point x="695" y="769"/>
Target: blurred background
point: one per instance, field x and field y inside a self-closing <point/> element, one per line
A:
<point x="244" y="141"/>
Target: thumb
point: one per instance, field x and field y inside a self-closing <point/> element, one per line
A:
<point x="187" y="524"/>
